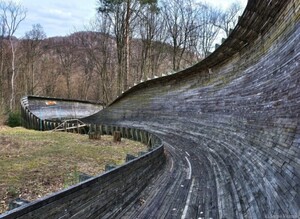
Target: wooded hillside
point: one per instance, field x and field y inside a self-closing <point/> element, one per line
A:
<point x="129" y="41"/>
<point x="81" y="66"/>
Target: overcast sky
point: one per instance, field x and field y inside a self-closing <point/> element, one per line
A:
<point x="62" y="17"/>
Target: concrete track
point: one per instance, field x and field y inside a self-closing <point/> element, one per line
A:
<point x="231" y="124"/>
<point x="46" y="108"/>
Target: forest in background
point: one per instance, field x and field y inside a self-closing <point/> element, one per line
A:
<point x="129" y="41"/>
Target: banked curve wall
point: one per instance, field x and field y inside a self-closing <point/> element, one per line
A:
<point x="239" y="110"/>
<point x="47" y="113"/>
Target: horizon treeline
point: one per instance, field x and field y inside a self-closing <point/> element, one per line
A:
<point x="128" y="41"/>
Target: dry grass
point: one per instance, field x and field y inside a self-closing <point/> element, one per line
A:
<point x="33" y="164"/>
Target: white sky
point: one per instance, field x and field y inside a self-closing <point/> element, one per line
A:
<point x="224" y="3"/>
<point x="62" y="17"/>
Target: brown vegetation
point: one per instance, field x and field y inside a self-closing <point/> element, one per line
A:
<point x="131" y="41"/>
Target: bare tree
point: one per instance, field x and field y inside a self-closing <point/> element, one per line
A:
<point x="207" y="16"/>
<point x="2" y="55"/>
<point x="228" y="18"/>
<point x="122" y="14"/>
<point x="87" y="65"/>
<point x="103" y="56"/>
<point x="149" y="25"/>
<point x="32" y="53"/>
<point x="180" y="20"/>
<point x="5" y="73"/>
<point x="48" y="77"/>
<point x="67" y="57"/>
<point x="12" y="15"/>
<point x="116" y="12"/>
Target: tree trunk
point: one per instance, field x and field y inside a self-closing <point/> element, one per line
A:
<point x="1" y="76"/>
<point x="117" y="136"/>
<point x="127" y="46"/>
<point x="11" y="103"/>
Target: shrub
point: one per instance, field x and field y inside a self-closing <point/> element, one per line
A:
<point x="14" y="119"/>
<point x="13" y="192"/>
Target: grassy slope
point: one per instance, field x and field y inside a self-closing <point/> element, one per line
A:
<point x="33" y="164"/>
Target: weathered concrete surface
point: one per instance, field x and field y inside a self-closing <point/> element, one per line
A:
<point x="231" y="124"/>
<point x="59" y="109"/>
<point x="45" y="113"/>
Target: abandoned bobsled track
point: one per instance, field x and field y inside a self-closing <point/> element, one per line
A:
<point x="47" y="113"/>
<point x="230" y="126"/>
